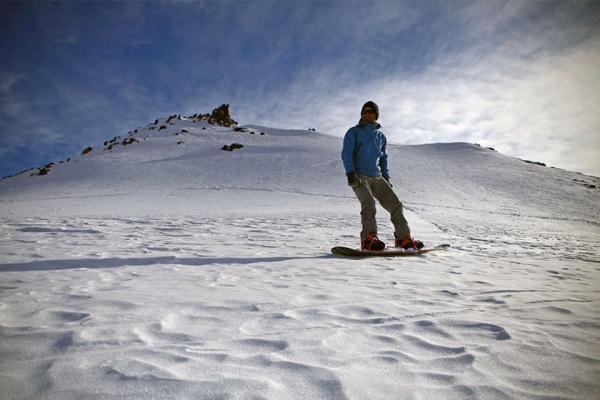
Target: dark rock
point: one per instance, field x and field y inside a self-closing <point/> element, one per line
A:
<point x="172" y="117"/>
<point x="203" y="117"/>
<point x="221" y="116"/>
<point x="180" y="142"/>
<point x="200" y="117"/>
<point x="184" y="131"/>
<point x="232" y="146"/>
<point x="162" y="127"/>
<point x="45" y="169"/>
<point x="86" y="150"/>
<point x="535" y="162"/>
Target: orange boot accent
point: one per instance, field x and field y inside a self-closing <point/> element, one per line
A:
<point x="372" y="242"/>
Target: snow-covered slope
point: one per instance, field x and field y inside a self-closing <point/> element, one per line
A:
<point x="187" y="157"/>
<point x="170" y="268"/>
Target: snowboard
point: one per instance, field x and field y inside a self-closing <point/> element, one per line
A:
<point x="393" y="252"/>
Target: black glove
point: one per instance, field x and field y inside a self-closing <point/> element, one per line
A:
<point x="354" y="179"/>
<point x="388" y="181"/>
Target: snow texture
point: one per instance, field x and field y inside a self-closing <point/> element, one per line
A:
<point x="170" y="268"/>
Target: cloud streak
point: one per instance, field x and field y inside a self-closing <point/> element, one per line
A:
<point x="528" y="96"/>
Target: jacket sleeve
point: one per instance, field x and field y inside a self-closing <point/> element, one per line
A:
<point x="383" y="160"/>
<point x="348" y="151"/>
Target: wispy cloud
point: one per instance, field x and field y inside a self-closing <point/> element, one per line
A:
<point x="528" y="94"/>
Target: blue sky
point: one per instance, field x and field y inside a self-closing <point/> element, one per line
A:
<point x="522" y="77"/>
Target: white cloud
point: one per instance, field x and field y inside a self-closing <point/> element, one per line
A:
<point x="526" y="98"/>
<point x="548" y="111"/>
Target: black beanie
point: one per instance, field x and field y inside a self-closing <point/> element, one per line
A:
<point x="371" y="104"/>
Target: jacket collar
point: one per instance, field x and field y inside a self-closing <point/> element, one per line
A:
<point x="362" y="124"/>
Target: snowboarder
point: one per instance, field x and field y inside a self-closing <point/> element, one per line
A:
<point x="366" y="164"/>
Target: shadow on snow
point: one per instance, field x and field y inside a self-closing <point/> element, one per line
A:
<point x="48" y="265"/>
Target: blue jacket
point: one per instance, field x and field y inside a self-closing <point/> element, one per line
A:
<point x="364" y="150"/>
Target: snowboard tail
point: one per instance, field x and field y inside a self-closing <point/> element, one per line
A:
<point x="394" y="252"/>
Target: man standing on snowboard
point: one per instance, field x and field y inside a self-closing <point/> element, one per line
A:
<point x="366" y="164"/>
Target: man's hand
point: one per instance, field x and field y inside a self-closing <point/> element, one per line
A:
<point x="354" y="179"/>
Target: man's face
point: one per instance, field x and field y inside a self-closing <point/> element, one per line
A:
<point x="368" y="115"/>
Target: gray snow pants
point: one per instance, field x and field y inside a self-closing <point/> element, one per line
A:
<point x="376" y="187"/>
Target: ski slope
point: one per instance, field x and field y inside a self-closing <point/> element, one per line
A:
<point x="170" y="268"/>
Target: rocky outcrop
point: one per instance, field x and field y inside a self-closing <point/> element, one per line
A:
<point x="112" y="141"/>
<point x="115" y="141"/>
<point x="534" y="162"/>
<point x="172" y="117"/>
<point x="221" y="116"/>
<point x="200" y="117"/>
<point x="586" y="184"/>
<point x="232" y="146"/>
<point x="246" y="130"/>
<point x="41" y="170"/>
<point x="45" y="169"/>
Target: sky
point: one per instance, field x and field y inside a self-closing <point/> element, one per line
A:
<point x="522" y="77"/>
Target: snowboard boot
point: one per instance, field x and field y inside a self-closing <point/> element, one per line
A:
<point x="372" y="242"/>
<point x="409" y="243"/>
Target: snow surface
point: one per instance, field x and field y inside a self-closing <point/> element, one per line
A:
<point x="164" y="270"/>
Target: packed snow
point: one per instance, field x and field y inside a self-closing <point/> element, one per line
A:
<point x="169" y="268"/>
